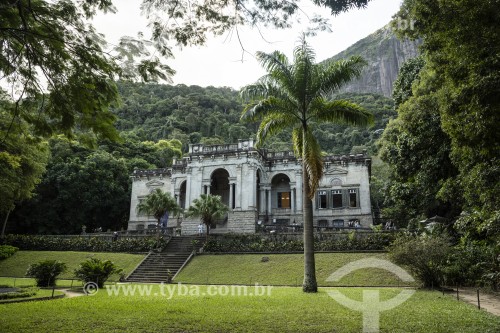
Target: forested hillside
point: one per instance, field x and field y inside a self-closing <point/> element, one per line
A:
<point x="211" y="115"/>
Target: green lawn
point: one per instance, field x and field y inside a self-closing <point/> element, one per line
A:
<point x="285" y="309"/>
<point x="17" y="265"/>
<point x="282" y="269"/>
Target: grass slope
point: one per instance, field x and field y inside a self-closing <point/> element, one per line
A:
<point x="284" y="310"/>
<point x="19" y="262"/>
<point x="282" y="269"/>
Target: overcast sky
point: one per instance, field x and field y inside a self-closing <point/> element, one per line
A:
<point x="219" y="63"/>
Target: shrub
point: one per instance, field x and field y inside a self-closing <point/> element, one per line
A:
<point x="7" y="251"/>
<point x="46" y="272"/>
<point x="425" y="257"/>
<point x="86" y="244"/>
<point x="96" y="270"/>
<point x="284" y="243"/>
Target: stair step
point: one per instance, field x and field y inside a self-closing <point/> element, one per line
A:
<point x="157" y="266"/>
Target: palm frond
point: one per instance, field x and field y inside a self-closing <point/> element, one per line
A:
<point x="339" y="73"/>
<point x="273" y="61"/>
<point x="340" y="111"/>
<point x="303" y="71"/>
<point x="274" y="123"/>
<point x="297" y="143"/>
<point x="312" y="161"/>
<point x="157" y="203"/>
<point x="272" y="104"/>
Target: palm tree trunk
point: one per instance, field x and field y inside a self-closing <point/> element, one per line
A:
<point x="309" y="285"/>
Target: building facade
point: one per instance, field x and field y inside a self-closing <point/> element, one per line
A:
<point x="261" y="188"/>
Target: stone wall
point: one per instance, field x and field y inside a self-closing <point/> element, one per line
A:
<point x="242" y="221"/>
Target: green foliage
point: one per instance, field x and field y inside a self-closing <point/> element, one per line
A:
<point x="212" y="116"/>
<point x="283" y="244"/>
<point x="408" y="74"/>
<point x="86" y="187"/>
<point x="7" y="251"/>
<point x="461" y="46"/>
<point x="157" y="203"/>
<point x="209" y="208"/>
<point x="46" y="272"/>
<point x="152" y="112"/>
<point x="54" y="60"/>
<point x="22" y="160"/>
<point x="418" y="154"/>
<point x="96" y="270"/>
<point x="424" y="256"/>
<point x="90" y="244"/>
<point x="195" y="21"/>
<point x="472" y="264"/>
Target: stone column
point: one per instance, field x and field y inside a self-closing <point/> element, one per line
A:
<point x="188" y="189"/>
<point x="292" y="199"/>
<point x="269" y="201"/>
<point x="262" y="200"/>
<point x="231" y="191"/>
<point x="298" y="191"/>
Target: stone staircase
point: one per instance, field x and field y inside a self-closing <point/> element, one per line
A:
<point x="156" y="266"/>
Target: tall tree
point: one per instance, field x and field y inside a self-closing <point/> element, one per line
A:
<point x="418" y="152"/>
<point x="294" y="96"/>
<point x="209" y="208"/>
<point x="23" y="158"/>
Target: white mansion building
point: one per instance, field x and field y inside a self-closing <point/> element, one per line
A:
<point x="261" y="188"/>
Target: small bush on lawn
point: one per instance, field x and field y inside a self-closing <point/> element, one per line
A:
<point x="96" y="270"/>
<point x="7" y="251"/>
<point x="425" y="256"/>
<point x="46" y="272"/>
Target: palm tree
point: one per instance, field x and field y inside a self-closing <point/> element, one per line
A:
<point x="208" y="208"/>
<point x="157" y="203"/>
<point x="295" y="97"/>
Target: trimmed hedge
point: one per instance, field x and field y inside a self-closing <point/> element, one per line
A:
<point x="7" y="251"/>
<point x="282" y="243"/>
<point x="85" y="244"/>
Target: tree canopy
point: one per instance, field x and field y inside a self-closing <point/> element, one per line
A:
<point x="54" y="60"/>
<point x="461" y="45"/>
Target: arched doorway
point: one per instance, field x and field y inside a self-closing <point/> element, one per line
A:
<point x="182" y="195"/>
<point x="280" y="189"/>
<point x="219" y="185"/>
